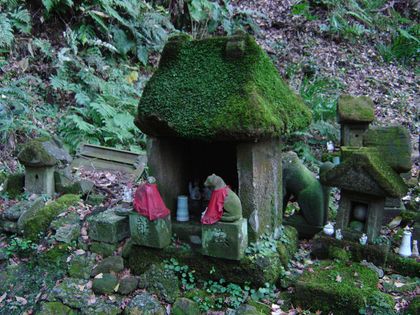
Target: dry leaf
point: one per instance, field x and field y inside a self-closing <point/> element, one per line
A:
<point x="80" y="252"/>
<point x="399" y="284"/>
<point x="338" y="278"/>
<point x="92" y="299"/>
<point x="116" y="287"/>
<point x="99" y="276"/>
<point x="21" y="300"/>
<point x="3" y="297"/>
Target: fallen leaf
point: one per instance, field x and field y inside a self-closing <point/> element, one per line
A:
<point x="99" y="276"/>
<point x="92" y="299"/>
<point x="79" y="252"/>
<point x="338" y="278"/>
<point x="21" y="300"/>
<point x="116" y="287"/>
<point x="3" y="297"/>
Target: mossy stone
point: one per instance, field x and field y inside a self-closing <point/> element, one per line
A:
<point x="56" y="308"/>
<point x="164" y="283"/>
<point x="200" y="92"/>
<point x="404" y="266"/>
<point x="339" y="253"/>
<point x="184" y="306"/>
<point x="108" y="227"/>
<point x="72" y="292"/>
<point x="144" y="304"/>
<point x="35" y="154"/>
<point x="128" y="285"/>
<point x="355" y="109"/>
<point x="109" y="264"/>
<point x="103" y="249"/>
<point x="105" y="284"/>
<point x="393" y="144"/>
<point x="14" y="184"/>
<point x="81" y="266"/>
<point x="156" y="233"/>
<point x="35" y="222"/>
<point x="337" y="287"/>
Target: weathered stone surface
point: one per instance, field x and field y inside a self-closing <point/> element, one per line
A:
<point x="37" y="220"/>
<point x="67" y="233"/>
<point x="108" y="227"/>
<point x="72" y="292"/>
<point x="109" y="264"/>
<point x="14" y="185"/>
<point x="40" y="180"/>
<point x="393" y="144"/>
<point x="68" y="218"/>
<point x="144" y="304"/>
<point x="81" y="266"/>
<point x="127" y="248"/>
<point x="8" y="226"/>
<point x="148" y="233"/>
<point x="128" y="285"/>
<point x="103" y="249"/>
<point x="164" y="283"/>
<point x="184" y="306"/>
<point x="355" y="109"/>
<point x="56" y="308"/>
<point x="105" y="284"/>
<point x="225" y="239"/>
<point x="14" y="212"/>
<point x="101" y="307"/>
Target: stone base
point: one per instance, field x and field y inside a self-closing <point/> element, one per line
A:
<point x="148" y="233"/>
<point x="108" y="227"/>
<point x="225" y="239"/>
<point x="40" y="180"/>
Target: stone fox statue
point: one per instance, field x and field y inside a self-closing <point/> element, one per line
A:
<point x="224" y="204"/>
<point x="302" y="184"/>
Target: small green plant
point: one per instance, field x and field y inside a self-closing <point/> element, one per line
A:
<point x="378" y="304"/>
<point x="187" y="276"/>
<point x="19" y="247"/>
<point x="264" y="246"/>
<point x="303" y="8"/>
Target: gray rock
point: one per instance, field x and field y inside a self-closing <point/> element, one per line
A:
<point x="81" y="266"/>
<point x="371" y="266"/>
<point x="8" y="226"/>
<point x="163" y="283"/>
<point x="184" y="306"/>
<point x="144" y="304"/>
<point x="128" y="285"/>
<point x="67" y="233"/>
<point x="105" y="284"/>
<point x="14" y="212"/>
<point x="72" y="292"/>
<point x="103" y="249"/>
<point x="69" y="218"/>
<point x="109" y="264"/>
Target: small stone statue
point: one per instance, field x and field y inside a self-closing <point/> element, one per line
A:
<point x="338" y="234"/>
<point x="363" y="239"/>
<point x="415" y="253"/>
<point x="224" y="204"/>
<point x="328" y="229"/>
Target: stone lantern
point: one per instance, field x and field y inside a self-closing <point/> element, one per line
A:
<point x="365" y="180"/>
<point x="354" y="114"/>
<point x="39" y="167"/>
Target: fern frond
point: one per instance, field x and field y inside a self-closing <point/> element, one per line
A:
<point x="6" y="33"/>
<point x="21" y="20"/>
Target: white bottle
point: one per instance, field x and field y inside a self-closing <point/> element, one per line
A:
<point x="328" y="229"/>
<point x="405" y="248"/>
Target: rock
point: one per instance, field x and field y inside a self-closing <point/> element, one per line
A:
<point x="123" y="212"/>
<point x="81" y="266"/>
<point x="144" y="304"/>
<point x="69" y="218"/>
<point x="67" y="233"/>
<point x="105" y="284"/>
<point x="72" y="292"/>
<point x="14" y="184"/>
<point x="36" y="221"/>
<point x="109" y="264"/>
<point x="371" y="266"/>
<point x="101" y="307"/>
<point x="127" y="248"/>
<point x="56" y="308"/>
<point x="8" y="226"/>
<point x="95" y="199"/>
<point x="163" y="283"/>
<point x="184" y="306"/>
<point x="103" y="249"/>
<point x="128" y="285"/>
<point x="247" y="310"/>
<point x="108" y="227"/>
<point x="144" y="232"/>
<point x="23" y="210"/>
<point x="14" y="212"/>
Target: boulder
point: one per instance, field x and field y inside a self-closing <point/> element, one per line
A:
<point x="103" y="249"/>
<point x="108" y="227"/>
<point x="105" y="284"/>
<point x="184" y="306"/>
<point x="127" y="285"/>
<point x="56" y="308"/>
<point x="81" y="266"/>
<point x="72" y="292"/>
<point x="67" y="233"/>
<point x="144" y="304"/>
<point x="109" y="264"/>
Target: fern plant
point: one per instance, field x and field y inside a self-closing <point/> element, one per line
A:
<point x="13" y="18"/>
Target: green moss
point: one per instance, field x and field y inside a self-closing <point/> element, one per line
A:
<point x="339" y="253"/>
<point x="414" y="307"/>
<point x="404" y="266"/>
<point x="40" y="220"/>
<point x="199" y="92"/>
<point x="365" y="160"/>
<point x="33" y="153"/>
<point x="14" y="185"/>
<point x="56" y="308"/>
<point x="355" y="109"/>
<point x="410" y="216"/>
<point x="336" y="287"/>
<point x="393" y="144"/>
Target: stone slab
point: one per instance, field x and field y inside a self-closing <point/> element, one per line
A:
<point x="156" y="234"/>
<point x="108" y="227"/>
<point x="225" y="239"/>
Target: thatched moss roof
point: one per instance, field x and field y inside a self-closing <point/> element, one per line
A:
<point x="355" y="109"/>
<point x="219" y="88"/>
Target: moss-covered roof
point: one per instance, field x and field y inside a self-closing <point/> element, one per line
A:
<point x="219" y="88"/>
<point x="35" y="154"/>
<point x="355" y="109"/>
<point x="362" y="170"/>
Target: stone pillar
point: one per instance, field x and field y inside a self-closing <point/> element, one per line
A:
<point x="40" y="180"/>
<point x="260" y="185"/>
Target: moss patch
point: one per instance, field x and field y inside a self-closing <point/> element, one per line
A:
<point x="39" y="221"/>
<point x="337" y="287"/>
<point x="14" y="185"/>
<point x="33" y="153"/>
<point x="200" y="91"/>
<point x="356" y="109"/>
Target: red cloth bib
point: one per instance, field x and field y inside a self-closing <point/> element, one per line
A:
<point x="148" y="202"/>
<point x="214" y="210"/>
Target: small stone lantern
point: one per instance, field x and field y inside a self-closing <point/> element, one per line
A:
<point x="39" y="167"/>
<point x="365" y="181"/>
<point x="354" y="114"/>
